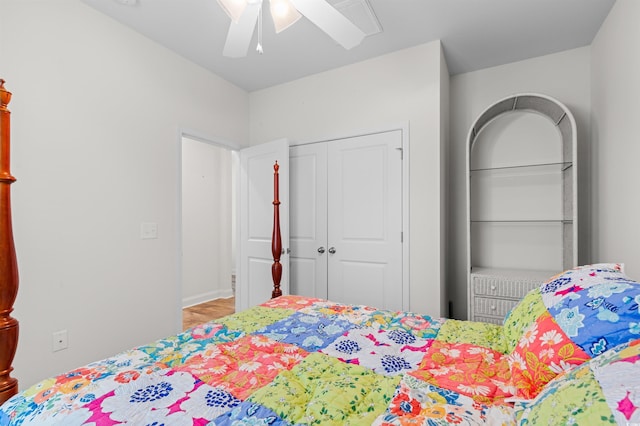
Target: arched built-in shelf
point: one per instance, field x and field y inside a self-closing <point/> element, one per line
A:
<point x="521" y="201"/>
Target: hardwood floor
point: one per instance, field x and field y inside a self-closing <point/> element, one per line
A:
<point x="207" y="311"/>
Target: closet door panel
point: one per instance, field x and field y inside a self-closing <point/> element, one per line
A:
<point x="308" y="226"/>
<point x="365" y="224"/>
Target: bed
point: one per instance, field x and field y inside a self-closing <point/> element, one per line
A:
<point x="568" y="353"/>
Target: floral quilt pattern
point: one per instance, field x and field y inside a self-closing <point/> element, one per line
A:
<point x="323" y="390"/>
<point x="385" y="352"/>
<point x="416" y="402"/>
<point x="475" y="371"/>
<point x="568" y="353"/>
<point x="308" y="331"/>
<point x="244" y="365"/>
<point x="543" y="352"/>
<point x="476" y="333"/>
<point x="601" y="316"/>
<point x="419" y="325"/>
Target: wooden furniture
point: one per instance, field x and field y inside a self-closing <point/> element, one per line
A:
<point x="276" y="237"/>
<point x="521" y="201"/>
<point x="8" y="263"/>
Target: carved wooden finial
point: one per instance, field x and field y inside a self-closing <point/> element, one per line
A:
<point x="5" y="96"/>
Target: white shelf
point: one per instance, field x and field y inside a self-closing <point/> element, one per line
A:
<point x="522" y="204"/>
<point x="546" y="167"/>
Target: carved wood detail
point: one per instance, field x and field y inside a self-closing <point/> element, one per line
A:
<point x="276" y="237"/>
<point x="8" y="262"/>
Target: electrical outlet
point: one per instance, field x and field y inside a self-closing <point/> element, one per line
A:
<point x="60" y="340"/>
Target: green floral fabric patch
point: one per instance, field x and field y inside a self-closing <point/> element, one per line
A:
<point x="476" y="333"/>
<point x="521" y="317"/>
<point x="254" y="319"/>
<point x="575" y="398"/>
<point x="324" y="390"/>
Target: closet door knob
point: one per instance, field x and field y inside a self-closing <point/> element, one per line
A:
<point x="332" y="250"/>
<point x="320" y="250"/>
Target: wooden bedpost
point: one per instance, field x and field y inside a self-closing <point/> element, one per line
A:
<point x="276" y="238"/>
<point x="8" y="263"/>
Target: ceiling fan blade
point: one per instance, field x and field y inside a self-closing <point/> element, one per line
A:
<point x="332" y="22"/>
<point x="241" y="33"/>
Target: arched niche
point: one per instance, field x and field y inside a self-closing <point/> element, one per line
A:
<point x="521" y="198"/>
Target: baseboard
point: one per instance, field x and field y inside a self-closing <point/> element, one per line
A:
<point x="205" y="297"/>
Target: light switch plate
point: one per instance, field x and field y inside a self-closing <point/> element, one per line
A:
<point x="148" y="230"/>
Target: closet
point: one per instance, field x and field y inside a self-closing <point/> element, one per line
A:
<point x="345" y="226"/>
<point x="522" y="201"/>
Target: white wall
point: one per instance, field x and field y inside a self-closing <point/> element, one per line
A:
<point x="96" y="114"/>
<point x="385" y="91"/>
<point x="206" y="222"/>
<point x="564" y="76"/>
<point x="445" y="124"/>
<point x="615" y="64"/>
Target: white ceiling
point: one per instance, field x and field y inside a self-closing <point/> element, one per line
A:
<point x="475" y="34"/>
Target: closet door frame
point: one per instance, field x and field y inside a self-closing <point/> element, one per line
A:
<point x="404" y="129"/>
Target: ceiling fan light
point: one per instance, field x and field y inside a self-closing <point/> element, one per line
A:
<point x="233" y="8"/>
<point x="283" y="14"/>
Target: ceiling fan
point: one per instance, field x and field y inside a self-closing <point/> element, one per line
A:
<point x="244" y="16"/>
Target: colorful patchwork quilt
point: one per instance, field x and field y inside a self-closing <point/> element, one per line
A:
<point x="568" y="353"/>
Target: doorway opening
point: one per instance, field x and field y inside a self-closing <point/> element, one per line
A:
<point x="208" y="230"/>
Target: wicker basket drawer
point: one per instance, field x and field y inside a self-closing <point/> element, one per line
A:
<point x="502" y="286"/>
<point x="493" y="307"/>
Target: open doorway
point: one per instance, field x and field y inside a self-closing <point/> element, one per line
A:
<point x="208" y="230"/>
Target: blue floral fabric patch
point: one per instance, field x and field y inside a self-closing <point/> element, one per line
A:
<point x="574" y="280"/>
<point x="602" y="316"/>
<point x="249" y="413"/>
<point x="310" y="332"/>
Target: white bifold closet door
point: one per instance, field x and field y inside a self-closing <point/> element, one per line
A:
<point x="346" y="220"/>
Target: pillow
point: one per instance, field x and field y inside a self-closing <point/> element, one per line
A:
<point x="561" y="286"/>
<point x="605" y="390"/>
<point x="554" y="290"/>
<point x="573" y="317"/>
<point x="521" y="317"/>
<point x="543" y="352"/>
